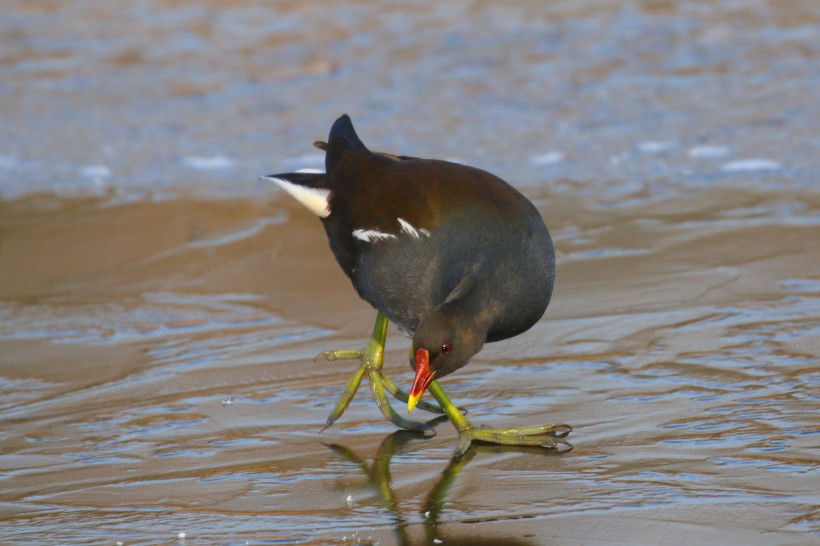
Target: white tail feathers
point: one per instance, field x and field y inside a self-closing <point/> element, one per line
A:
<point x="315" y="199"/>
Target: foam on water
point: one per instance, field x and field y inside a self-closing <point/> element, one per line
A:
<point x="206" y="163"/>
<point x="750" y="165"/>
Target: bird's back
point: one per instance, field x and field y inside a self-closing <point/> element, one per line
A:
<point x="410" y="232"/>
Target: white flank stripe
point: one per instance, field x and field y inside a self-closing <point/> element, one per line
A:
<point x="316" y="200"/>
<point x="408" y="228"/>
<point x="370" y="235"/>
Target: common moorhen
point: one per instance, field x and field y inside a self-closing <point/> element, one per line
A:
<point x="451" y="254"/>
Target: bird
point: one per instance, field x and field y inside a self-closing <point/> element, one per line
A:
<point x="452" y="255"/>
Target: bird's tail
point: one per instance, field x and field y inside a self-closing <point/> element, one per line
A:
<point x="309" y="188"/>
<point x="342" y="139"/>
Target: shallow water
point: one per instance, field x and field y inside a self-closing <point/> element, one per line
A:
<point x="160" y="308"/>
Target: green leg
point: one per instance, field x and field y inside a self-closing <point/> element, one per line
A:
<point x="372" y="358"/>
<point x="545" y="436"/>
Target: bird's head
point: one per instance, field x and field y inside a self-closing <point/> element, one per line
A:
<point x="445" y="340"/>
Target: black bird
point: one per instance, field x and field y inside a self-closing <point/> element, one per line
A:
<point x="451" y="254"/>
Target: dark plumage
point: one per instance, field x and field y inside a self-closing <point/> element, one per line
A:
<point x="451" y="254"/>
<point x="482" y="269"/>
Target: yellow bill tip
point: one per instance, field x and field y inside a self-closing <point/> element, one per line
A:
<point x="412" y="400"/>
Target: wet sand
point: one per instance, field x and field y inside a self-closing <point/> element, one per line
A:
<point x="166" y="383"/>
<point x="160" y="309"/>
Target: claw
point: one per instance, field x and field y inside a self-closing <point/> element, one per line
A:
<point x="562" y="430"/>
<point x="328" y="423"/>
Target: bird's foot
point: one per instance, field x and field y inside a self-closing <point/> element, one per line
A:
<point x="547" y="436"/>
<point x="389" y="386"/>
<point x="380" y="384"/>
<point x="371" y="359"/>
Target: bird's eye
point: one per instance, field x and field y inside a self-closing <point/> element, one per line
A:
<point x="446" y="348"/>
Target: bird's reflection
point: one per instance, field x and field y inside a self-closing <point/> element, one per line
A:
<point x="378" y="477"/>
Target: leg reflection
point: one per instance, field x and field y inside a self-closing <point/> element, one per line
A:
<point x="379" y="479"/>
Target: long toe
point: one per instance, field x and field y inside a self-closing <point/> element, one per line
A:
<point x="550" y="437"/>
<point x="380" y="394"/>
<point x="339" y="354"/>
